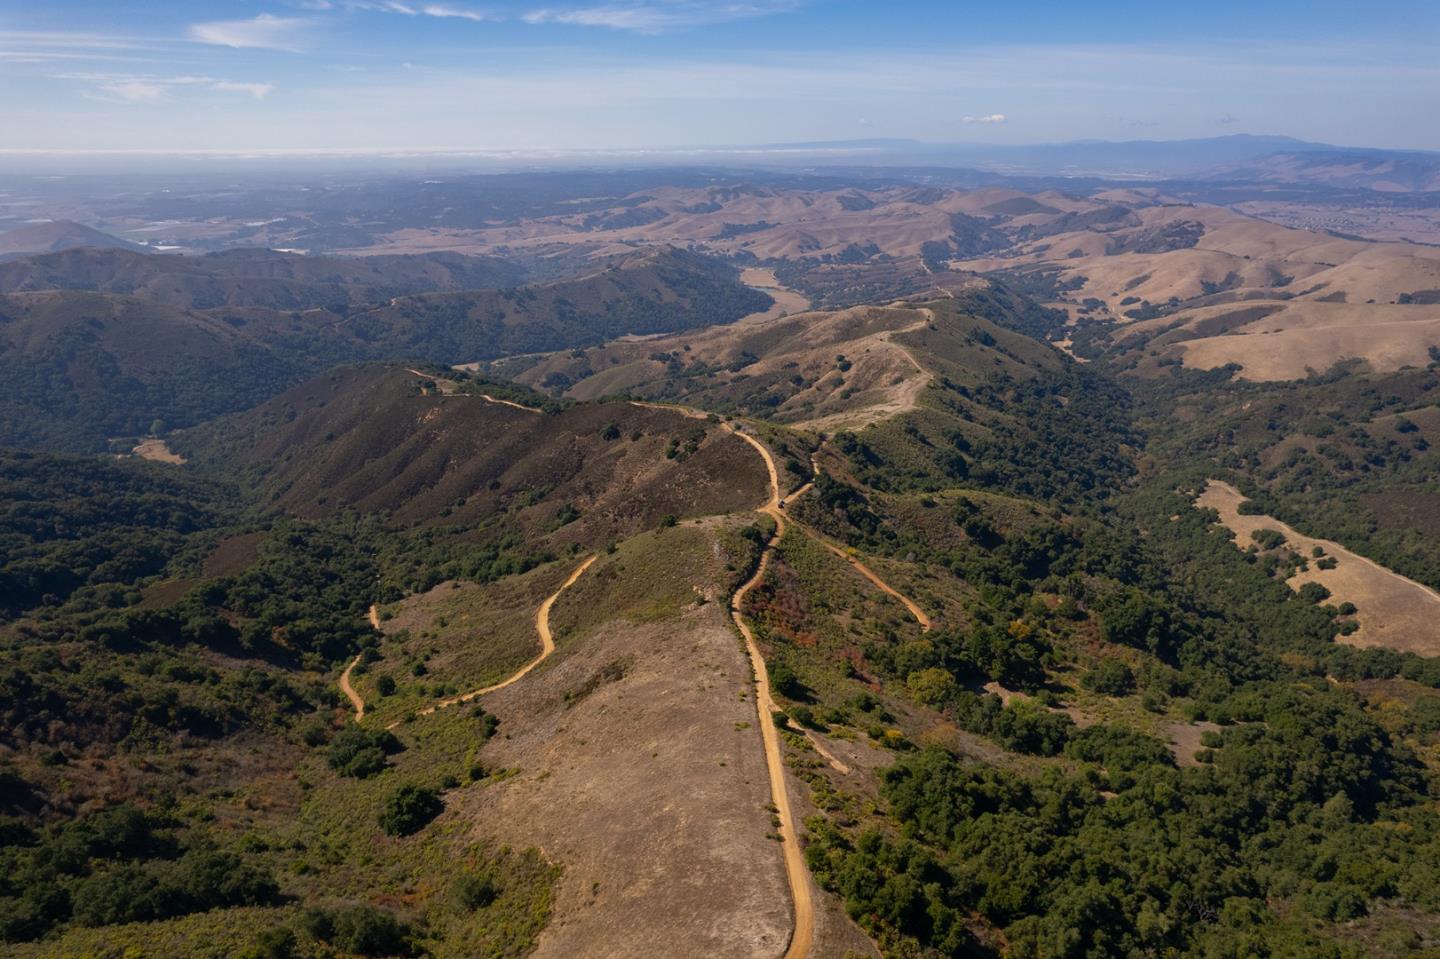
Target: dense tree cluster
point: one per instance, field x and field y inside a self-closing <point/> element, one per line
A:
<point x="1312" y="802"/>
<point x="72" y="521"/>
<point x="116" y="865"/>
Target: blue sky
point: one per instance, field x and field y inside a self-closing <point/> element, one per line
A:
<point x="560" y="75"/>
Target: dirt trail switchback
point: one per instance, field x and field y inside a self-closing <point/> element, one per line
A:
<point x="547" y="646"/>
<point x="372" y="614"/>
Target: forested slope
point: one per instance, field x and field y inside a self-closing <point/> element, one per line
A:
<point x="83" y="366"/>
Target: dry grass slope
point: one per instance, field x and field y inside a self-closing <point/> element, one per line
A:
<point x="1393" y="611"/>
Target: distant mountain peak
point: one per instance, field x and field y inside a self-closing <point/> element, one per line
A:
<point x="56" y="235"/>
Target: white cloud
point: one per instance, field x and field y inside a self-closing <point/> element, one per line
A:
<point x="459" y="13"/>
<point x="257" y="90"/>
<point x="134" y="91"/>
<point x="443" y="11"/>
<point x="265" y="32"/>
<point x="988" y="118"/>
<point x="42" y="46"/>
<point x="148" y="89"/>
<point x="658" y="16"/>
<point x="56" y="39"/>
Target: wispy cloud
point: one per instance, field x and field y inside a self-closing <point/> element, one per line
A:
<point x="134" y="91"/>
<point x="257" y="90"/>
<point x="115" y="88"/>
<point x="61" y="40"/>
<point x="49" y="46"/>
<point x="444" y="11"/>
<point x="988" y="118"/>
<point x="264" y="32"/>
<point x="659" y="16"/>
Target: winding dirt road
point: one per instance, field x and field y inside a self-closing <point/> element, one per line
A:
<point x="542" y="627"/>
<point x="880" y="584"/>
<point x="519" y="406"/>
<point x="449" y="388"/>
<point x="860" y="567"/>
<point x="547" y="646"/>
<point x="349" y="690"/>
<point x="372" y="614"/>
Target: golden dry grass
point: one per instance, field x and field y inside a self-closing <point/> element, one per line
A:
<point x="1338" y="298"/>
<point x="883" y="377"/>
<point x="1393" y="611"/>
<point x="156" y="451"/>
<point x="1289" y="354"/>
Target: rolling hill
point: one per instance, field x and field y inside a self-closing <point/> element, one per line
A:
<point x="81" y="367"/>
<point x="56" y="235"/>
<point x="254" y="277"/>
<point x="1212" y="287"/>
<point x="1388" y="171"/>
<point x="378" y="440"/>
<point x="1120" y="255"/>
<point x="824" y="369"/>
<point x="640" y="294"/>
<point x="92" y="365"/>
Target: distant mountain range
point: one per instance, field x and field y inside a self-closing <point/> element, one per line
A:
<point x="1382" y="170"/>
<point x="1142" y="158"/>
<point x="56" y="235"/>
<point x="1237" y="157"/>
<point x="1102" y="159"/>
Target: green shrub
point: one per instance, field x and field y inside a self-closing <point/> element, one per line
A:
<point x="359" y="752"/>
<point x="784" y="681"/>
<point x="932" y="687"/>
<point x="271" y="944"/>
<point x="408" y="809"/>
<point x="1268" y="538"/>
<point x="1110" y="677"/>
<point x="1335" y="902"/>
<point x="475" y="890"/>
<point x="360" y="930"/>
<point x="804" y="715"/>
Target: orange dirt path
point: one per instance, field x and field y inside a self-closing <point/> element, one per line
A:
<point x="547" y="647"/>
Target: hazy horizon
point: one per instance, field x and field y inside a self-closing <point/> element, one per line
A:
<point x="313" y="76"/>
